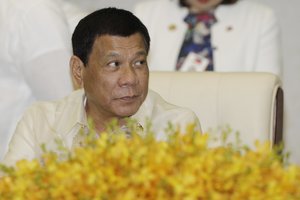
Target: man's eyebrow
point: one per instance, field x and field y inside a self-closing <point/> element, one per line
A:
<point x="116" y="54"/>
<point x="112" y="54"/>
<point x="141" y="53"/>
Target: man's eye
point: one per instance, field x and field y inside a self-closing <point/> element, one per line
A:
<point x="140" y="63"/>
<point x="114" y="64"/>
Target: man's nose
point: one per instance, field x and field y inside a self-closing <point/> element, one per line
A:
<point x="128" y="76"/>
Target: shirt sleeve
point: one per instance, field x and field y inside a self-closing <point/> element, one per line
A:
<point x="22" y="144"/>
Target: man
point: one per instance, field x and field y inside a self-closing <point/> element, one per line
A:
<point x="110" y="48"/>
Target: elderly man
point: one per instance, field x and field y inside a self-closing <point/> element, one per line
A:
<point x="110" y="48"/>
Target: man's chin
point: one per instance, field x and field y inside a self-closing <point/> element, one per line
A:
<point x="126" y="112"/>
<point x="124" y="108"/>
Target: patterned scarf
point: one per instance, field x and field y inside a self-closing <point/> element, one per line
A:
<point x="198" y="38"/>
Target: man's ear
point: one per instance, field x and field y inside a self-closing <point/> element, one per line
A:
<point x="77" y="68"/>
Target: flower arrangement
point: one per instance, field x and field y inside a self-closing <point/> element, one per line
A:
<point x="182" y="167"/>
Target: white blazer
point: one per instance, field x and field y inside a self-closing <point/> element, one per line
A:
<point x="245" y="37"/>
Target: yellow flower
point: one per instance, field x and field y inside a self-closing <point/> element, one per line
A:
<point x="184" y="167"/>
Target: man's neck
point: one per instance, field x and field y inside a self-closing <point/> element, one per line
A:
<point x="100" y="123"/>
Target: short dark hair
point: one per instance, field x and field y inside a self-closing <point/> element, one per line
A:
<point x="106" y="21"/>
<point x="184" y="4"/>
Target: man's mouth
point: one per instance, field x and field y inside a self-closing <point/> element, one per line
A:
<point x="128" y="98"/>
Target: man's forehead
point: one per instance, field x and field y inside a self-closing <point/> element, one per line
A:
<point x="110" y="42"/>
<point x="112" y="36"/>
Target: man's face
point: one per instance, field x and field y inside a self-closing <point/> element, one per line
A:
<point x="198" y="6"/>
<point x="116" y="76"/>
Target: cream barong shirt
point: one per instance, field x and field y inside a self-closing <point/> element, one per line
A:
<point x="46" y="122"/>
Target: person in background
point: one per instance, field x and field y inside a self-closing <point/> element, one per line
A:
<point x="110" y="48"/>
<point x="211" y="35"/>
<point x="35" y="47"/>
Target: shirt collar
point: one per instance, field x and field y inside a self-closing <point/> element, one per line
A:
<point x="72" y="114"/>
<point x="83" y="117"/>
<point x="144" y="114"/>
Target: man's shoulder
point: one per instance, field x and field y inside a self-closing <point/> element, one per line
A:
<point x="160" y="105"/>
<point x="52" y="108"/>
<point x="162" y="113"/>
